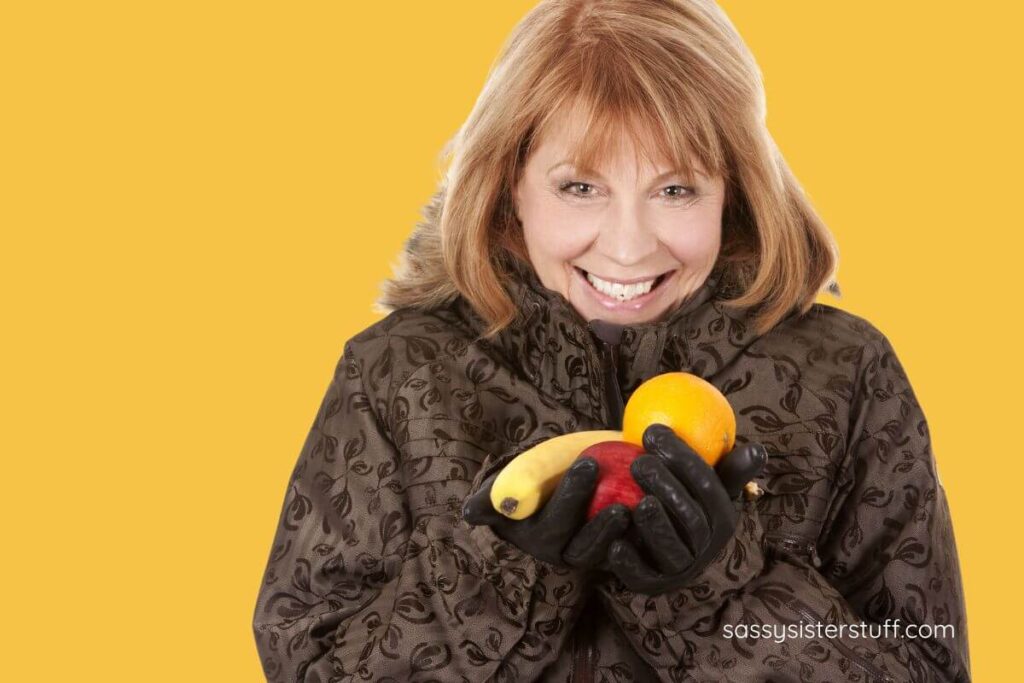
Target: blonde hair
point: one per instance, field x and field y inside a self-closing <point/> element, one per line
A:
<point x="676" y="76"/>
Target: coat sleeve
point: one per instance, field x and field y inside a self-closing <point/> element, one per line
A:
<point x="363" y="583"/>
<point x="891" y="551"/>
<point x="887" y="554"/>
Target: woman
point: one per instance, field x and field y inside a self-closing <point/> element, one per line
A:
<point x="615" y="142"/>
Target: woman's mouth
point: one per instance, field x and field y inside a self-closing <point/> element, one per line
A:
<point x="623" y="297"/>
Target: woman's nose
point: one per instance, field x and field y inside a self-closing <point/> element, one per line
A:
<point x="626" y="238"/>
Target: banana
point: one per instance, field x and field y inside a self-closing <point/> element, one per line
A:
<point x="528" y="480"/>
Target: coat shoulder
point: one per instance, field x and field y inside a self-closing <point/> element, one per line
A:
<point x="428" y="331"/>
<point x="825" y="355"/>
<point x="391" y="349"/>
<point x="828" y="327"/>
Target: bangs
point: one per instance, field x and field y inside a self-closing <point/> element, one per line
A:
<point x="618" y="104"/>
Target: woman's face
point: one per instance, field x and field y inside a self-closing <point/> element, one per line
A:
<point x="604" y="239"/>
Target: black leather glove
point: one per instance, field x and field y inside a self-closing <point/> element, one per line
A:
<point x="556" y="533"/>
<point x="689" y="514"/>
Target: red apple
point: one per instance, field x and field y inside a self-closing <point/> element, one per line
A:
<point x="615" y="483"/>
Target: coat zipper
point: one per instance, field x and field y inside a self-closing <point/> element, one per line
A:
<point x="583" y="656"/>
<point x="811" y="616"/>
<point x="613" y="394"/>
<point x="797" y="544"/>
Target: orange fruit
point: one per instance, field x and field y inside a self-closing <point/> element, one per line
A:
<point x="692" y="407"/>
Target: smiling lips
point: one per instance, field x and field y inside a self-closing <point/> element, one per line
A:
<point x="623" y="291"/>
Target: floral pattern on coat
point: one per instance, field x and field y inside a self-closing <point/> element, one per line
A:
<point x="373" y="575"/>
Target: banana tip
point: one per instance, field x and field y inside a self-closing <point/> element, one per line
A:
<point x="508" y="506"/>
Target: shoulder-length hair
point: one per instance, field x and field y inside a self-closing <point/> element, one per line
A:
<point x="675" y="75"/>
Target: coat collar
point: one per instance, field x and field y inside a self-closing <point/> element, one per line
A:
<point x="560" y="352"/>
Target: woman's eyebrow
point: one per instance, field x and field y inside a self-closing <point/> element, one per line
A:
<point x="568" y="163"/>
<point x="596" y="174"/>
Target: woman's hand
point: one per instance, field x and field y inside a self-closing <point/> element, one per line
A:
<point x="556" y="533"/>
<point x="688" y="515"/>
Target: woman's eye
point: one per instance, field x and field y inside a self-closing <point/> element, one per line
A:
<point x="586" y="190"/>
<point x="682" y="193"/>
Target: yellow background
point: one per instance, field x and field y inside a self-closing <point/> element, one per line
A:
<point x="198" y="201"/>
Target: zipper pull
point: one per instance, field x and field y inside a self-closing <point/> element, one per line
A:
<point x="606" y="332"/>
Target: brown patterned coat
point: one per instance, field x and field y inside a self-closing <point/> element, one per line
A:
<point x="374" y="576"/>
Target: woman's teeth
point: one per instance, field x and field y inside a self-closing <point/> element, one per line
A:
<point x="620" y="291"/>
